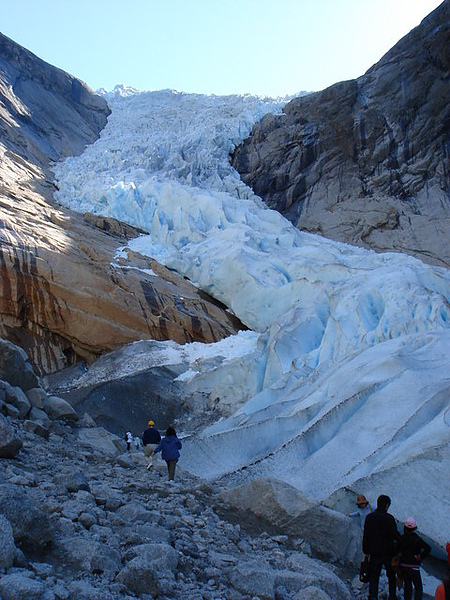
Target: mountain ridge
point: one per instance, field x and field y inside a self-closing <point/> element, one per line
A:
<point x="62" y="299"/>
<point x="365" y="161"/>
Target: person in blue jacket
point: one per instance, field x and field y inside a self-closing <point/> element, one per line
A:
<point x="169" y="447"/>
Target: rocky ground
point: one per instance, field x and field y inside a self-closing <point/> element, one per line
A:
<point x="82" y="518"/>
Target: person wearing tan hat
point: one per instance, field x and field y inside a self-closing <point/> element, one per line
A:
<point x="150" y="438"/>
<point x="362" y="511"/>
<point x="412" y="550"/>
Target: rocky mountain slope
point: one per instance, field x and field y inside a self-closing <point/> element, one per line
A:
<point x="64" y="295"/>
<point x="366" y="161"/>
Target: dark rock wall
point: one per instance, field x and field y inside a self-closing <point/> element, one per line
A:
<point x="366" y="161"/>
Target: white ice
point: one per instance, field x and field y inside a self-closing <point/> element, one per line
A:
<point x="348" y="385"/>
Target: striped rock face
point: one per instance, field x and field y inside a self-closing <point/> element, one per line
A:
<point x="66" y="291"/>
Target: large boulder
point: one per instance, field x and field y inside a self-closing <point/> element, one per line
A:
<point x="83" y="554"/>
<point x="275" y="506"/>
<point x="102" y="442"/>
<point x="365" y="161"/>
<point x="150" y="564"/>
<point x="17" y="398"/>
<point x="30" y="522"/>
<point x="10" y="443"/>
<point x="15" y="368"/>
<point x="58" y="408"/>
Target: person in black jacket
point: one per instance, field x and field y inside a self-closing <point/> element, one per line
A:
<point x="379" y="539"/>
<point x="412" y="550"/>
<point x="150" y="438"/>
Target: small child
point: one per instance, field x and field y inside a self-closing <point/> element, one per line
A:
<point x="362" y="511"/>
<point x="412" y="549"/>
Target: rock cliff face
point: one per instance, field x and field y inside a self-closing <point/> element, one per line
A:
<point x="366" y="161"/>
<point x="63" y="294"/>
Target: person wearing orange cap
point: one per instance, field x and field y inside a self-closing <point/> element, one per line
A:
<point x="362" y="511"/>
<point x="150" y="438"/>
<point x="412" y="550"/>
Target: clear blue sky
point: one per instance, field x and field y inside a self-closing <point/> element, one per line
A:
<point x="268" y="47"/>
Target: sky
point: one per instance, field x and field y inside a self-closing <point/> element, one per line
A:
<point x="263" y="47"/>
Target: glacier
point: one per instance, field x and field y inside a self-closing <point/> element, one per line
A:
<point x="342" y="384"/>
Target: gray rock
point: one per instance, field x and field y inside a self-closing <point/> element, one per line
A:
<point x="302" y="572"/>
<point x="84" y="554"/>
<point x="82" y="590"/>
<point x="7" y="546"/>
<point x="58" y="408"/>
<point x="140" y="577"/>
<point x="18" y="398"/>
<point x="102" y="442"/>
<point x="87" y="520"/>
<point x="38" y="414"/>
<point x="10" y="411"/>
<point x="37" y="428"/>
<point x="72" y="481"/>
<point x="280" y="508"/>
<point x="37" y="397"/>
<point x="15" y="367"/>
<point x="151" y="564"/>
<point x="107" y="496"/>
<point x="133" y="512"/>
<point x="18" y="586"/>
<point x="10" y="443"/>
<point x="87" y="421"/>
<point x="311" y="593"/>
<point x="30" y="523"/>
<point x="253" y="578"/>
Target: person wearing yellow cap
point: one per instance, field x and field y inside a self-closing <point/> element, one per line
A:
<point x="150" y="439"/>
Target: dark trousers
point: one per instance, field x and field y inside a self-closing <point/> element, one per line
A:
<point x="411" y="577"/>
<point x="171" y="464"/>
<point x="376" y="564"/>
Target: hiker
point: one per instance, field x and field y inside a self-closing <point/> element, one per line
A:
<point x="150" y="438"/>
<point x="170" y="447"/>
<point x="362" y="511"/>
<point x="412" y="550"/>
<point x="379" y="539"/>
<point x="443" y="589"/>
<point x="128" y="439"/>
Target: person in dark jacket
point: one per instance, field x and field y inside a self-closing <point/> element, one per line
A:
<point x="169" y="447"/>
<point x="150" y="439"/>
<point x="379" y="539"/>
<point x="412" y="550"/>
